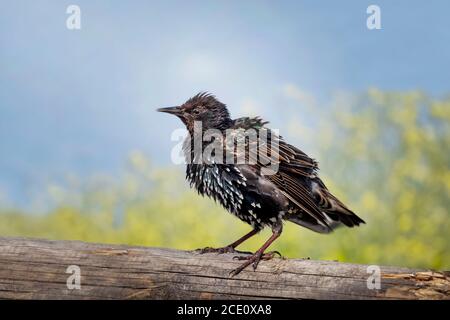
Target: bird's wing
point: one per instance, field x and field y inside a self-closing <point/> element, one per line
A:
<point x="295" y="168"/>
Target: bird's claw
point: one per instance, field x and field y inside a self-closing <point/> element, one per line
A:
<point x="266" y="256"/>
<point x="233" y="273"/>
<point x="255" y="264"/>
<point x="273" y="253"/>
<point x="253" y="260"/>
<point x="227" y="249"/>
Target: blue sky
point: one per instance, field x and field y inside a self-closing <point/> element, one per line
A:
<point x="81" y="101"/>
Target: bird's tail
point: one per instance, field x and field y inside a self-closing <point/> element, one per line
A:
<point x="333" y="221"/>
<point x="333" y="207"/>
<point x="313" y="224"/>
<point x="335" y="212"/>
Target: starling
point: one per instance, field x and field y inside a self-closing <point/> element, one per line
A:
<point x="294" y="192"/>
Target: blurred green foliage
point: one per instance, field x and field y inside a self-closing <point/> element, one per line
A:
<point x="384" y="154"/>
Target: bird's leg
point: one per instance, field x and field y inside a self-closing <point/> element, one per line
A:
<point x="258" y="255"/>
<point x="231" y="248"/>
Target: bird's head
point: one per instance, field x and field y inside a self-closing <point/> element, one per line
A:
<point x="202" y="107"/>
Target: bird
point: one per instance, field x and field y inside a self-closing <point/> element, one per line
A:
<point x="293" y="192"/>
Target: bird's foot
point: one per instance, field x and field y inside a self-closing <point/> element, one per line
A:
<point x="253" y="260"/>
<point x="227" y="249"/>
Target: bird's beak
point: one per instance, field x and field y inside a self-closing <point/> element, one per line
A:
<point x="172" y="110"/>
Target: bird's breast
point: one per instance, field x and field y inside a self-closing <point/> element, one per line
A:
<point x="227" y="185"/>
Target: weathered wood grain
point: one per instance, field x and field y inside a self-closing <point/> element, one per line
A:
<point x="36" y="269"/>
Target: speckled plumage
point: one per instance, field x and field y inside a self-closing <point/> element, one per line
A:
<point x="293" y="193"/>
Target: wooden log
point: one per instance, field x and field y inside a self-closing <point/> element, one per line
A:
<point x="37" y="269"/>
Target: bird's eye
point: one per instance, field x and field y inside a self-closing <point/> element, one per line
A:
<point x="196" y="111"/>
